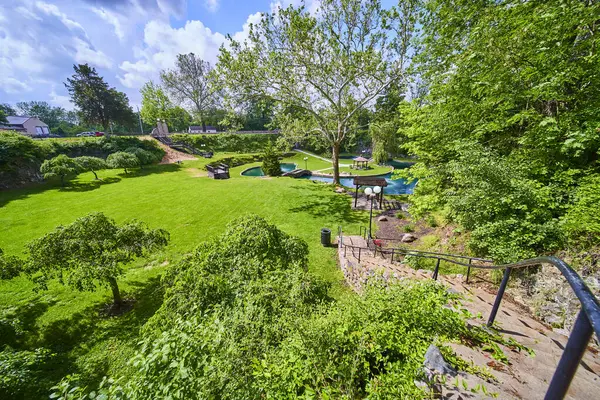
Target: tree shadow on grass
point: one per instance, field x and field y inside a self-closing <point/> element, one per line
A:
<point x="18" y="324"/>
<point x="151" y="170"/>
<point x="323" y="204"/>
<point x="86" y="341"/>
<point x="89" y="185"/>
<point x="6" y="196"/>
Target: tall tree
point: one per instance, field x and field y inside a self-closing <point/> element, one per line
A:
<point x="157" y="105"/>
<point x="330" y="64"/>
<point x="96" y="102"/>
<point x="192" y="83"/>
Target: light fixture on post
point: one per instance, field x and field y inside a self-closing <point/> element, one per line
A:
<point x="306" y="163"/>
<point x="371" y="193"/>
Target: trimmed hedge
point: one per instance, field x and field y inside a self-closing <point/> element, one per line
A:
<point x="21" y="156"/>
<point x="230" y="142"/>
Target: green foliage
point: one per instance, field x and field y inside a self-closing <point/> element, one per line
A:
<point x="10" y="266"/>
<point x="96" y="102"/>
<point x="325" y="70"/>
<point x="509" y="124"/>
<point x="52" y="116"/>
<point x="384" y="141"/>
<point x="582" y="220"/>
<point x="60" y="166"/>
<point x="70" y="388"/>
<point x="122" y="159"/>
<point x="236" y="161"/>
<point x="91" y="249"/>
<point x="408" y="228"/>
<point x="270" y="158"/>
<point x="21" y="371"/>
<point x="157" y="105"/>
<point x="92" y="164"/>
<point x="192" y="82"/>
<point x="144" y="157"/>
<point x="238" y="143"/>
<point x="243" y="319"/>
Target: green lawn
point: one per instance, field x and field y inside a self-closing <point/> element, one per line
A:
<point x="174" y="197"/>
<point x="316" y="164"/>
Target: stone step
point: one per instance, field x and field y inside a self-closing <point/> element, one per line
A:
<point x="526" y="377"/>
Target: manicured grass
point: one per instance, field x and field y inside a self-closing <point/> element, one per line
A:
<point x="178" y="198"/>
<point x="325" y="167"/>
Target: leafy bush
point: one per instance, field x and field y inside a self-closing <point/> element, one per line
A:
<point x="10" y="266"/>
<point x="21" y="156"/>
<point x="92" y="164"/>
<point x="60" y="166"/>
<point x="21" y="371"/>
<point x="242" y="318"/>
<point x="582" y="220"/>
<point x="238" y="143"/>
<point x="122" y="159"/>
<point x="144" y="156"/>
<point x="270" y="165"/>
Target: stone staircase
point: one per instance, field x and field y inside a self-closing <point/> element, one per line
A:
<point x="525" y="377"/>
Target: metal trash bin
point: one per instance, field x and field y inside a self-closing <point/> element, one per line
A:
<point x="326" y="237"/>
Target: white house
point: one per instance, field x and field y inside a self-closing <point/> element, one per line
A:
<point x="30" y="126"/>
<point x="198" y="129"/>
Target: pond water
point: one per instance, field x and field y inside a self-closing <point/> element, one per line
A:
<point x="257" y="171"/>
<point x="395" y="186"/>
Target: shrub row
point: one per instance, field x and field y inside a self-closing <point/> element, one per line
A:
<point x="21" y="156"/>
<point x="238" y="143"/>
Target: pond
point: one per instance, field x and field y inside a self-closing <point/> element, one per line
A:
<point x="257" y="171"/>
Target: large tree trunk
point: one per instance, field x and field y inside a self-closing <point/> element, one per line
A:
<point x="335" y="150"/>
<point x="115" y="291"/>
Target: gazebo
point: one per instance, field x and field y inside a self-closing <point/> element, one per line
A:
<point x="369" y="181"/>
<point x="360" y="163"/>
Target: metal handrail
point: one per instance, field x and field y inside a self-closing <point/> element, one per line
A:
<point x="586" y="323"/>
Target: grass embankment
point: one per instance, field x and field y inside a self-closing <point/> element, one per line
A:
<point x="325" y="167"/>
<point x="178" y="198"/>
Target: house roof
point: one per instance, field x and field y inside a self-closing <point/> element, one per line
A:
<point x="16" y="120"/>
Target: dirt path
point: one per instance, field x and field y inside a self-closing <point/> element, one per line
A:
<point x="171" y="156"/>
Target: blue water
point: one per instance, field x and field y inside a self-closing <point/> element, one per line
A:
<point x="395" y="186"/>
<point x="257" y="171"/>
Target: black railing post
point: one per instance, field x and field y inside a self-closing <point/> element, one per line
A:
<point x="392" y="259"/>
<point x="359" y="254"/>
<point x="501" y="290"/>
<point x="345" y="251"/>
<point x="437" y="269"/>
<point x="469" y="270"/>
<point x="571" y="357"/>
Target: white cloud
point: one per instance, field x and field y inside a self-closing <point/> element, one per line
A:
<point x="211" y="5"/>
<point x="51" y="9"/>
<point x="243" y="34"/>
<point x="85" y="54"/>
<point x="13" y="85"/>
<point x="162" y="44"/>
<point x="112" y="19"/>
<point x="60" y="100"/>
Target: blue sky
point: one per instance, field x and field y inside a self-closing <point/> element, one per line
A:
<point x="128" y="41"/>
